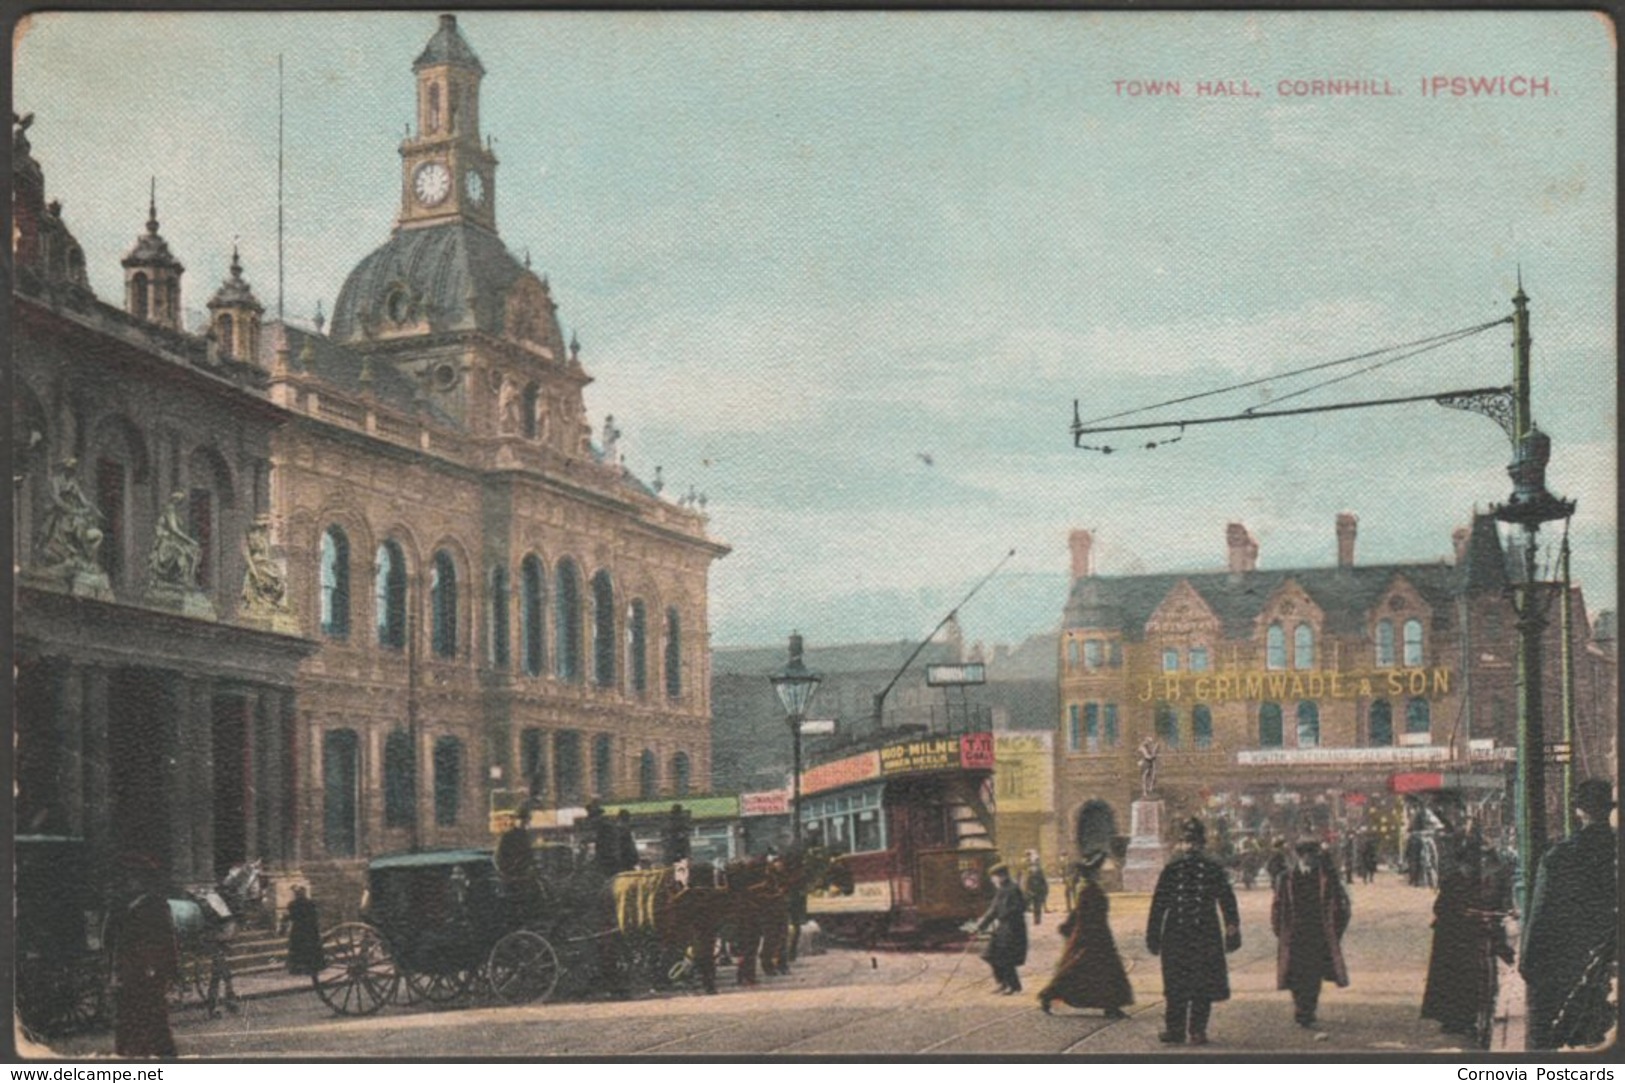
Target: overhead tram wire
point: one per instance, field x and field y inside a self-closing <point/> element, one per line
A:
<point x="1442" y="339"/>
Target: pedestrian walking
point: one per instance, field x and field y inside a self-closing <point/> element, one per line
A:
<point x="1308" y="916"/>
<point x="1368" y="855"/>
<point x="1007" y="949"/>
<point x="146" y="962"/>
<point x="674" y="842"/>
<point x="1090" y="973"/>
<point x="1461" y="984"/>
<point x="304" y="934"/>
<point x="1571" y="935"/>
<point x="1192" y="898"/>
<point x="626" y="844"/>
<point x="1350" y="858"/>
<point x="1279" y="860"/>
<point x="1036" y="887"/>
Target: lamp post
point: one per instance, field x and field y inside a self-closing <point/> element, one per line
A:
<point x="795" y="684"/>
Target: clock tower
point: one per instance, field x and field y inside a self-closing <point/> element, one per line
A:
<point x="446" y="174"/>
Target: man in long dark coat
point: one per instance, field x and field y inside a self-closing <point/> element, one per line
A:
<point x="1309" y="916"/>
<point x="1184" y="927"/>
<point x="1007" y="949"/>
<point x="146" y="962"/>
<point x="1036" y="887"/>
<point x="1090" y="973"/>
<point x="1573" y="918"/>
<point x="304" y="934"/>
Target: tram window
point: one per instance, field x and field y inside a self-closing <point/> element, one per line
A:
<point x="839" y="834"/>
<point x="867" y="835"/>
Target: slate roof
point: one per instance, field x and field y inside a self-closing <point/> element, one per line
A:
<point x="457" y="274"/>
<point x="448" y="47"/>
<point x="1345" y="595"/>
<point x="339" y="366"/>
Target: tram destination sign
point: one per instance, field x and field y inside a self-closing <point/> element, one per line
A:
<point x="955" y="674"/>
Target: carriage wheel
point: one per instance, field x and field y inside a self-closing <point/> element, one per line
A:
<point x="438" y="987"/>
<point x="357" y="977"/>
<point x="523" y="968"/>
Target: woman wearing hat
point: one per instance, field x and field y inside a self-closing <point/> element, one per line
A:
<point x="1192" y="896"/>
<point x="1090" y="973"/>
<point x="1007" y="950"/>
<point x="1572" y="917"/>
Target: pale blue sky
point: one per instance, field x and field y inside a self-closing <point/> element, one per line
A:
<point x="808" y="246"/>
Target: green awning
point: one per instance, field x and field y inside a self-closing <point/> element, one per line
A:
<point x="698" y="808"/>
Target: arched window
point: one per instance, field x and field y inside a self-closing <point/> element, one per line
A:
<point x="389" y="596"/>
<point x="532" y="613"/>
<point x="443" y="604"/>
<point x="138" y="295"/>
<point x="1071" y="654"/>
<point x="1201" y="726"/>
<point x="603" y="765"/>
<point x="1308" y="725"/>
<point x="1168" y="724"/>
<point x="341" y="774"/>
<point x="1385" y="642"/>
<point x="1170" y="659"/>
<point x="648" y="781"/>
<point x="1091" y="727"/>
<point x="448" y="780"/>
<point x="567" y="766"/>
<point x="527" y="415"/>
<point x="1269" y="725"/>
<point x="533" y="762"/>
<point x="1413" y="642"/>
<point x="1303" y="647"/>
<point x="400" y="780"/>
<point x="1275" y="647"/>
<point x="499" y="617"/>
<point x="222" y="334"/>
<point x="110" y="500"/>
<point x="674" y="655"/>
<point x="335" y="579"/>
<point x="679" y="773"/>
<point x="1417" y="719"/>
<point x="434" y="107"/>
<point x="637" y="646"/>
<point x="567" y="622"/>
<point x="1092" y="653"/>
<point x="1382" y="724"/>
<point x="603" y="630"/>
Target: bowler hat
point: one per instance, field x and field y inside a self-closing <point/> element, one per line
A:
<point x="1594" y="796"/>
<point x="1001" y="869"/>
<point x="1193" y="832"/>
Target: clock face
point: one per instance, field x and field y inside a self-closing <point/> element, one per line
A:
<point x="474" y="185"/>
<point x="432" y="183"/>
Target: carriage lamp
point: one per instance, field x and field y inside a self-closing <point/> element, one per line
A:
<point x="795" y="684"/>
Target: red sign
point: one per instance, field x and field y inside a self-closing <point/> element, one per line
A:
<point x="976" y="750"/>
<point x="1416" y="782"/>
<point x="827" y="776"/>
<point x="768" y="803"/>
<point x="1354" y="799"/>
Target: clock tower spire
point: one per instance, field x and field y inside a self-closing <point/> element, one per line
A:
<point x="446" y="174"/>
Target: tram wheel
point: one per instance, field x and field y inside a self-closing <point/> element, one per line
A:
<point x="523" y="968"/>
<point x="357" y="976"/>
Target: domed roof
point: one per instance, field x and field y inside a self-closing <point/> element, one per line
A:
<point x="454" y="276"/>
<point x="235" y="292"/>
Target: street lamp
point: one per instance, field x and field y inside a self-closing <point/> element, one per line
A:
<point x="795" y="684"/>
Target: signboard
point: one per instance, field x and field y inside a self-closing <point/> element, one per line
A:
<point x="873" y="896"/>
<point x="938" y="675"/>
<point x="1278" y="685"/>
<point x="926" y="754"/>
<point x="1330" y="757"/>
<point x="976" y="750"/>
<point x="842" y="772"/>
<point x="817" y="727"/>
<point x="1504" y="754"/>
<point x="767" y="803"/>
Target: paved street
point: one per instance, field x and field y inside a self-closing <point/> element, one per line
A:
<point x="849" y="1002"/>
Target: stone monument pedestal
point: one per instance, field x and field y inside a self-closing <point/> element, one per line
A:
<point x="1147" y="853"/>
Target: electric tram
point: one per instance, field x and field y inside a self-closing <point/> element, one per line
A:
<point x="908" y="825"/>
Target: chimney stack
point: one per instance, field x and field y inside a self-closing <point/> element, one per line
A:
<point x="1082" y="543"/>
<point x="1243" y="548"/>
<point x="1347" y="526"/>
<point x="1459" y="538"/>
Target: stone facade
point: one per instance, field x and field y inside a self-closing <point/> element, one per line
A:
<point x="1302" y="696"/>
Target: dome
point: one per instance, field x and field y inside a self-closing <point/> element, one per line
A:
<point x="453" y="277"/>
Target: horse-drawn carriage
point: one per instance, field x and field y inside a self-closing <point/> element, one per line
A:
<point x="444" y="926"/>
<point x="439" y="925"/>
<point x="61" y="971"/>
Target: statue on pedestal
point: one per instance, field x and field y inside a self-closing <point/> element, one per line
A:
<point x="72" y="534"/>
<point x="175" y="553"/>
<point x="1150" y="749"/>
<point x="264" y="587"/>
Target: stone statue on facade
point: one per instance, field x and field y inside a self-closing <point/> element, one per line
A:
<point x="264" y="586"/>
<point x="72" y="533"/>
<point x="612" y="439"/>
<point x="175" y="553"/>
<point x="1150" y="749"/>
<point x="508" y="408"/>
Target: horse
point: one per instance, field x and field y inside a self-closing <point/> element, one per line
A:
<point x="206" y="920"/>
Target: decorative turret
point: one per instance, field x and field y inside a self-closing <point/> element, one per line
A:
<point x="234" y="314"/>
<point x="152" y="275"/>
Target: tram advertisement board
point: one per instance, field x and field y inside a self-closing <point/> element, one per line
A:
<point x="971" y="750"/>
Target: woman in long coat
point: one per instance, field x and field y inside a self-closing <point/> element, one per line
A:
<point x="1008" y="947"/>
<point x="146" y="962"/>
<point x="1090" y="973"/>
<point x="304" y="935"/>
<point x="1309" y="916"/>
